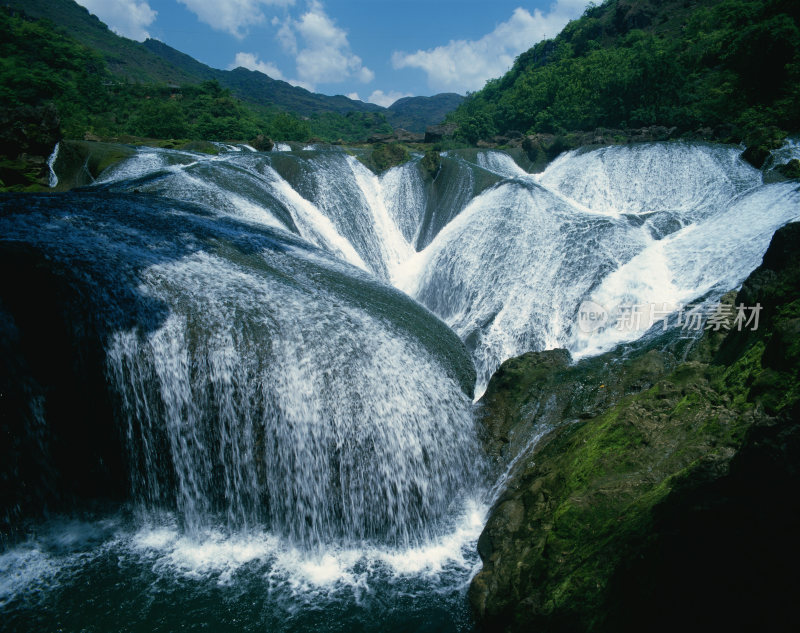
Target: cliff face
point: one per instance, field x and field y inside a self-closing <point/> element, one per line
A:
<point x="666" y="495"/>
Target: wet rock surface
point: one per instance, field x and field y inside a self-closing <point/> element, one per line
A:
<point x="670" y="498"/>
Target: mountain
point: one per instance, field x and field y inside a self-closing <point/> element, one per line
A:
<point x="155" y="62"/>
<point x="416" y="113"/>
<point x="258" y="88"/>
<point x="126" y="59"/>
<point x="730" y="68"/>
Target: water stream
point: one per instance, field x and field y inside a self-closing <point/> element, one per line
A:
<point x="291" y="346"/>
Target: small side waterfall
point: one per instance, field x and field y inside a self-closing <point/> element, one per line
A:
<point x="51" y="161"/>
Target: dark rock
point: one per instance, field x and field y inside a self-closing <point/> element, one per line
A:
<point x="435" y="133"/>
<point x="760" y="143"/>
<point x="404" y="136"/>
<point x="790" y="170"/>
<point x="381" y="138"/>
<point x="57" y="444"/>
<point x="673" y="499"/>
<point x="262" y="143"/>
<point x="756" y="155"/>
<point x="431" y="163"/>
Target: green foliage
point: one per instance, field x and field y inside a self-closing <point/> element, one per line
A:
<point x="388" y="155"/>
<point x="350" y="127"/>
<point x="39" y="65"/>
<point x="287" y="127"/>
<point x="431" y="162"/>
<point x="689" y="65"/>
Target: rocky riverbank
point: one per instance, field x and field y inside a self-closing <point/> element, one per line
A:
<point x="664" y="495"/>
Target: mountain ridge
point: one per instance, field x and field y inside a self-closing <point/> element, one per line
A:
<point x="153" y="61"/>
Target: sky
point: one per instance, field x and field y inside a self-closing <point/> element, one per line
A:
<point x="372" y="50"/>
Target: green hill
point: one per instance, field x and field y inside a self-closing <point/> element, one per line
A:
<point x="730" y="66"/>
<point x="125" y="59"/>
<point x="416" y="113"/>
<point x="151" y="89"/>
<point x="156" y="63"/>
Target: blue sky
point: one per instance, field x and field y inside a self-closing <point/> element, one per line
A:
<point x="373" y="50"/>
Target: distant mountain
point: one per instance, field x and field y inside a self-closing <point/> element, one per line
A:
<point x="256" y="87"/>
<point x="155" y="62"/>
<point x="416" y="113"/>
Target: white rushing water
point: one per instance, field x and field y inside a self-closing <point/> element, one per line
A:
<point x="51" y="161"/>
<point x="285" y="413"/>
<point x="294" y="422"/>
<point x="508" y="266"/>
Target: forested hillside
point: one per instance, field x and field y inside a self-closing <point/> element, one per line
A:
<point x="729" y="65"/>
<point x="55" y="52"/>
<point x="43" y="67"/>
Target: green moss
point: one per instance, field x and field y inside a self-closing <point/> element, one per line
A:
<point x="599" y="493"/>
<point x="389" y="155"/>
<point x="431" y="163"/>
<point x="736" y="379"/>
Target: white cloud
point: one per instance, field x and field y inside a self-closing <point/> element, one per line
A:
<point x="322" y="52"/>
<point x="251" y="62"/>
<point x="464" y="65"/>
<point x="231" y="16"/>
<point x="128" y="18"/>
<point x="286" y="36"/>
<point x="354" y="96"/>
<point x="385" y="99"/>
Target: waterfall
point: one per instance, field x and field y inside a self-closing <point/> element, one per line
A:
<point x="626" y="225"/>
<point x="287" y="345"/>
<point x="280" y="387"/>
<point x="504" y="257"/>
<point x="51" y="161"/>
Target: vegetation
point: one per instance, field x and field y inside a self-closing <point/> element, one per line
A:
<point x="431" y="162"/>
<point x="623" y="518"/>
<point x="41" y="65"/>
<point x="350" y="127"/>
<point x="388" y="155"/>
<point x="729" y="65"/>
<point x="416" y="113"/>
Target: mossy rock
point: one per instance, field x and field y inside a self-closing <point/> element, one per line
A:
<point x="386" y="155"/>
<point x="673" y="503"/>
<point x="203" y="147"/>
<point x="262" y="143"/>
<point x="431" y="163"/>
<point x="81" y="162"/>
<point x="790" y="170"/>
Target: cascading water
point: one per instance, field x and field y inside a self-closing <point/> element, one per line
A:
<point x="626" y="225"/>
<point x="299" y="433"/>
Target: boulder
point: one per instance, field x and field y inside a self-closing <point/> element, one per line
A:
<point x="262" y="143"/>
<point x="665" y="491"/>
<point x="404" y="136"/>
<point x="381" y="138"/>
<point x="790" y="169"/>
<point x="436" y="133"/>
